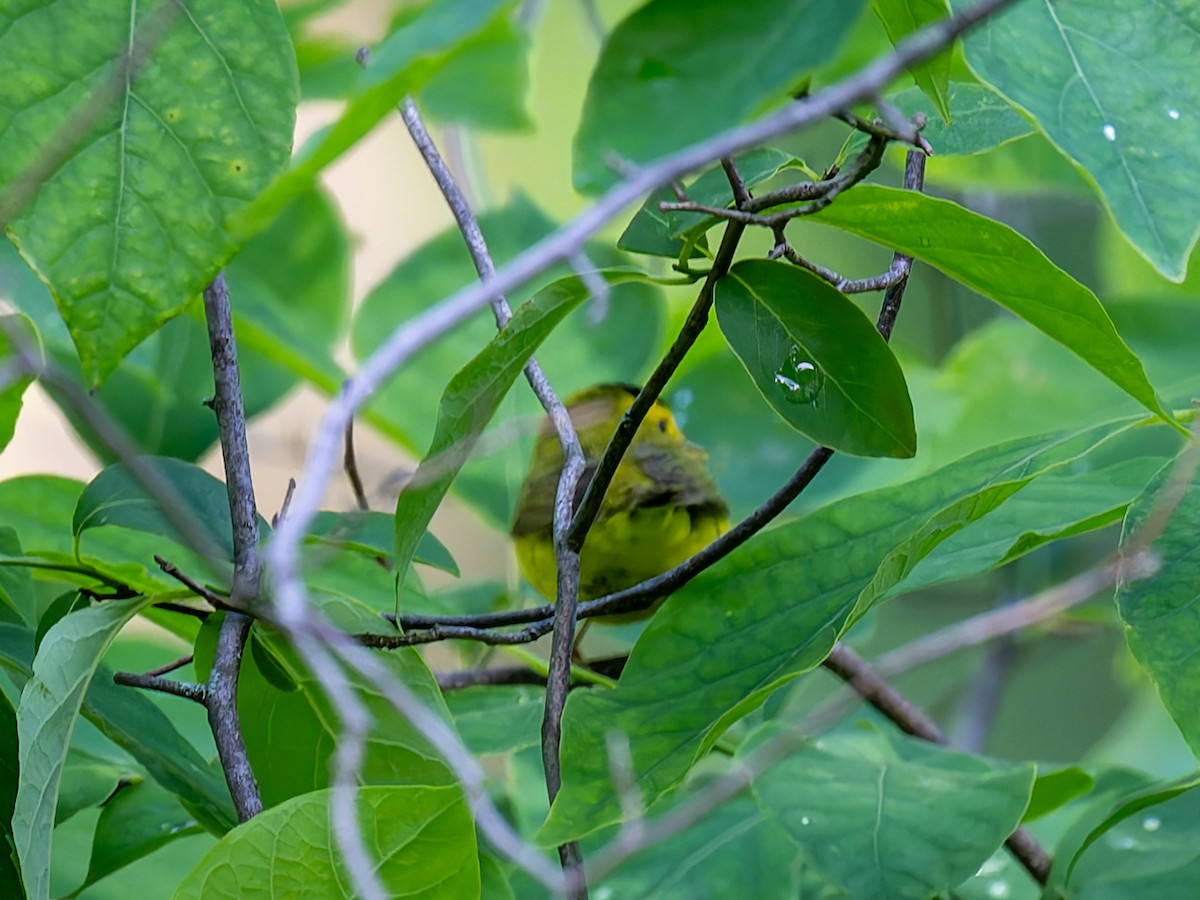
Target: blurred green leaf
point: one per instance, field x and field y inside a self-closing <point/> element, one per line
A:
<point x="774" y="608"/>
<point x="1056" y="788"/>
<point x="421" y="839"/>
<point x="374" y="533"/>
<point x="50" y="703"/>
<point x="817" y="359"/>
<point x="399" y="66"/>
<point x="1156" y="855"/>
<point x="18" y="604"/>
<point x="395" y="753"/>
<point x="138" y="820"/>
<point x="736" y="850"/>
<point x="10" y="872"/>
<point x="471" y="399"/>
<point x="1112" y="86"/>
<point x="890" y="815"/>
<point x="89" y="779"/>
<point x="1161" y="614"/>
<point x="13" y="391"/>
<point x="498" y="718"/>
<point x="901" y="18"/>
<point x="999" y="263"/>
<point x="117" y="497"/>
<point x="683" y="66"/>
<point x="126" y="221"/>
<point x="1056" y="506"/>
<point x="484" y="84"/>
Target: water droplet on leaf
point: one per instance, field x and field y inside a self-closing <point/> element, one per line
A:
<point x="1152" y="823"/>
<point x="1109" y="132"/>
<point x="799" y="379"/>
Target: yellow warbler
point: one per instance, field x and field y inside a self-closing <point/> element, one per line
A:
<point x="661" y="507"/>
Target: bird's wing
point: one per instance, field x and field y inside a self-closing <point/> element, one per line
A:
<point x="676" y="477"/>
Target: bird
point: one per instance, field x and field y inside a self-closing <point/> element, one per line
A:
<point x="661" y="507"/>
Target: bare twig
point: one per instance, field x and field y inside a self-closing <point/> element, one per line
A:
<point x="152" y="681"/>
<point x="223" y="716"/>
<point x="818" y="194"/>
<point x="566" y="557"/>
<point x="350" y="464"/>
<point x="191" y="584"/>
<point x="172" y="666"/>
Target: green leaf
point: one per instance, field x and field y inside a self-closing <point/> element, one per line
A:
<point x="499" y="718"/>
<point x="775" y="608"/>
<point x="999" y="263"/>
<point x="141" y="729"/>
<point x="1056" y="506"/>
<point x="89" y="779"/>
<point x="18" y="602"/>
<point x="1161" y="614"/>
<point x="484" y="85"/>
<point x="1157" y="850"/>
<point x="1056" y="788"/>
<point x="10" y="872"/>
<point x="1112" y="86"/>
<point x="133" y="175"/>
<point x="422" y="840"/>
<point x="693" y="69"/>
<point x="395" y="753"/>
<point x="470" y="401"/>
<point x="374" y="533"/>
<point x="138" y="820"/>
<point x="116" y="497"/>
<point x="982" y="121"/>
<point x="399" y="66"/>
<point x="291" y="295"/>
<point x="657" y="233"/>
<point x="14" y="387"/>
<point x="736" y="850"/>
<point x="50" y="704"/>
<point x="901" y="18"/>
<point x="817" y="359"/>
<point x="892" y="816"/>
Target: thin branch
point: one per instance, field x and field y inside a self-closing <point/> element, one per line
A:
<point x="181" y="609"/>
<point x="907" y="132"/>
<point x="868" y="684"/>
<point x="350" y="465"/>
<point x="172" y="666"/>
<point x="228" y="405"/>
<point x="191" y="584"/>
<point x="610" y="667"/>
<point x="151" y="681"/>
<point x="819" y="194"/>
<point x="567" y="557"/>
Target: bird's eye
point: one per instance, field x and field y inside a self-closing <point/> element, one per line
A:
<point x="662" y="424"/>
